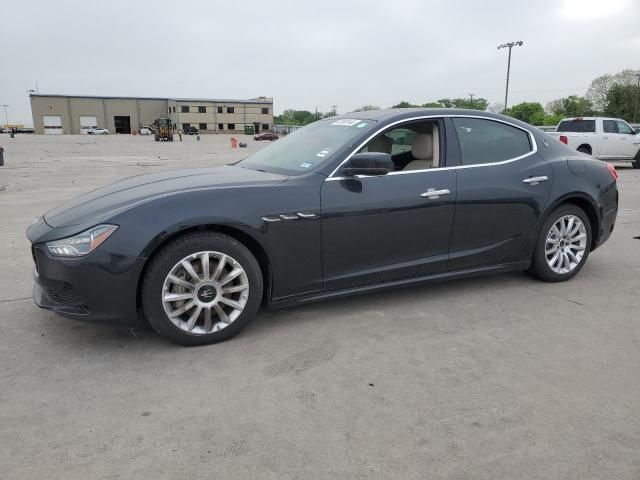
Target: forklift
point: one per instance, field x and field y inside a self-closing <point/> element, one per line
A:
<point x="164" y="130"/>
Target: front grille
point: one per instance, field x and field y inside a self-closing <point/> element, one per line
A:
<point x="66" y="294"/>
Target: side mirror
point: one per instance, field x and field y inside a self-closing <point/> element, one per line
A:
<point x="637" y="131"/>
<point x="372" y="163"/>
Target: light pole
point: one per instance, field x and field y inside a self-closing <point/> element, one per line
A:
<point x="509" y="45"/>
<point x="635" y="106"/>
<point x="6" y="117"/>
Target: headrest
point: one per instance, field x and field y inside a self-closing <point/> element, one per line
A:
<point x="422" y="146"/>
<point x="380" y="144"/>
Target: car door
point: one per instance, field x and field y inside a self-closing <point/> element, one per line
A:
<point x="627" y="140"/>
<point x="502" y="187"/>
<point x="382" y="228"/>
<point x="610" y="140"/>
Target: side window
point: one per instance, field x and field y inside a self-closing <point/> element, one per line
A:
<point x="624" y="128"/>
<point x="486" y="141"/>
<point x="609" y="126"/>
<point x="412" y="146"/>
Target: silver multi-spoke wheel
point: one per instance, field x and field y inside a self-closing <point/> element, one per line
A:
<point x="565" y="244"/>
<point x="205" y="292"/>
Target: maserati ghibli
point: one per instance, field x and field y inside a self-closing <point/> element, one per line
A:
<point x="349" y="204"/>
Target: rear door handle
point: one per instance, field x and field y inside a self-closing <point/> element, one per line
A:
<point x="434" y="194"/>
<point x="535" y="180"/>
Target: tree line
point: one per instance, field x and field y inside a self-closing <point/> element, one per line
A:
<point x="608" y="95"/>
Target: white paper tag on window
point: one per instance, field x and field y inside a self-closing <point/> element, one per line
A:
<point x="346" y="122"/>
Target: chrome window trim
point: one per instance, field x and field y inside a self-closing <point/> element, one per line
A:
<point x="534" y="148"/>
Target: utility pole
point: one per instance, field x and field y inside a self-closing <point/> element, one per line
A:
<point x="471" y="98"/>
<point x="635" y="107"/>
<point x="334" y="109"/>
<point x="6" y="117"/>
<point x="316" y="113"/>
<point x="509" y="45"/>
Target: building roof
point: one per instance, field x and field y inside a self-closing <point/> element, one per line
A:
<point x="175" y="99"/>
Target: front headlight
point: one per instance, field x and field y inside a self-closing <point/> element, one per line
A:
<point x="81" y="244"/>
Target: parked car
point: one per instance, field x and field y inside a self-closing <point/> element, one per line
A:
<point x="145" y="131"/>
<point x="346" y="205"/>
<point x="191" y="130"/>
<point x="603" y="138"/>
<point x="98" y="131"/>
<point x="266" y="136"/>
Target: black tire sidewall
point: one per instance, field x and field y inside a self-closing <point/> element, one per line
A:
<point x="175" y="251"/>
<point x="539" y="266"/>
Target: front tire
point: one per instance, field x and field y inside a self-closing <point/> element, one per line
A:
<point x="563" y="245"/>
<point x="636" y="161"/>
<point x="202" y="288"/>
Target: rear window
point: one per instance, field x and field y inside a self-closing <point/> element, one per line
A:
<point x="578" y="126"/>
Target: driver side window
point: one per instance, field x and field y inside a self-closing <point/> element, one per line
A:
<point x="624" y="128"/>
<point x="413" y="146"/>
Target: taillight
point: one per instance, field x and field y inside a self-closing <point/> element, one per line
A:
<point x="564" y="139"/>
<point x="612" y="171"/>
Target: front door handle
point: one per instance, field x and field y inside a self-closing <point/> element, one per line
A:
<point x="535" y="180"/>
<point x="434" y="194"/>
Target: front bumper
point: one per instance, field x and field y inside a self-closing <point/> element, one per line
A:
<point x="100" y="287"/>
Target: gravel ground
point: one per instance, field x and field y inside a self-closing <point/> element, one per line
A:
<point x="487" y="378"/>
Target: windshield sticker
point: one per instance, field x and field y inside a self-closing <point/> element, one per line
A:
<point x="346" y="122"/>
<point x="323" y="153"/>
<point x="306" y="165"/>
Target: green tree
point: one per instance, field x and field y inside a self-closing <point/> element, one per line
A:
<point x="295" y="117"/>
<point x="475" y="104"/>
<point x="367" y="108"/>
<point x="405" y="104"/>
<point x="571" y="106"/>
<point x="620" y="101"/>
<point x="432" y="105"/>
<point x="599" y="88"/>
<point x="530" y="112"/>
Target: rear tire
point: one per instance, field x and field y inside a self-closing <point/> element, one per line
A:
<point x="561" y="253"/>
<point x="191" y="307"/>
<point x="584" y="149"/>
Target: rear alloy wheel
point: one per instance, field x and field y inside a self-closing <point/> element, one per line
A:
<point x="202" y="288"/>
<point x="563" y="245"/>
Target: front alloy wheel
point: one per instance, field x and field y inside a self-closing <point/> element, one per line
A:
<point x="205" y="292"/>
<point x="201" y="288"/>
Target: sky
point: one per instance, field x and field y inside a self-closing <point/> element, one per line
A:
<point x="307" y="54"/>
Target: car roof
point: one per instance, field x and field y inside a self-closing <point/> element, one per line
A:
<point x="394" y="114"/>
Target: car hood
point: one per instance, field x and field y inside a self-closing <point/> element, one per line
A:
<point x="126" y="193"/>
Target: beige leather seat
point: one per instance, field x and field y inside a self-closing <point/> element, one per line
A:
<point x="380" y="144"/>
<point x="426" y="151"/>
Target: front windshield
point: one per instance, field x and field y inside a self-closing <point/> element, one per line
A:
<point x="307" y="148"/>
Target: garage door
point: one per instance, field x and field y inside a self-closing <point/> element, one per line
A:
<point x="87" y="123"/>
<point x="52" y="124"/>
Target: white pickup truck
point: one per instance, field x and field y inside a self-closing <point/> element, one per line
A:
<point x="601" y="137"/>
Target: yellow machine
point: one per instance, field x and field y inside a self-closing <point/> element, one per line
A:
<point x="164" y="130"/>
